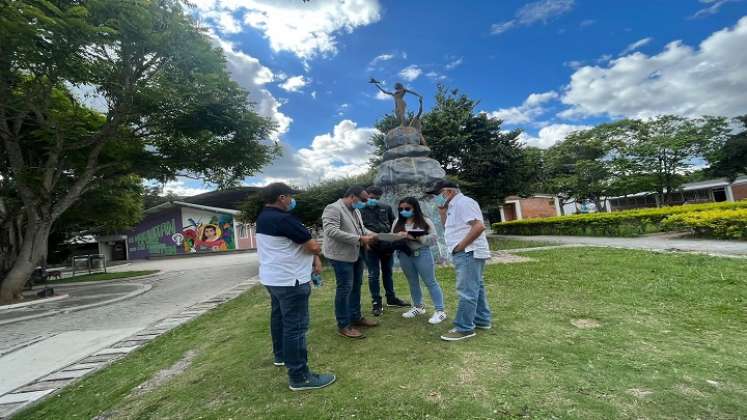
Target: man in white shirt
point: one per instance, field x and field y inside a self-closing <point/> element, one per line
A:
<point x="466" y="240"/>
<point x="287" y="256"/>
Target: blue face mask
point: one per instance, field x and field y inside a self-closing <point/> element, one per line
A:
<point x="372" y="202"/>
<point x="292" y="204"/>
<point x="405" y="213"/>
<point x="440" y="200"/>
<point x="359" y="205"/>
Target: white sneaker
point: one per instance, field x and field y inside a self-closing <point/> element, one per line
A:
<point x="437" y="317"/>
<point x="413" y="312"/>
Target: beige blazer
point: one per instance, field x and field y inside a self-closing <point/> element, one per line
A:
<point x="341" y="236"/>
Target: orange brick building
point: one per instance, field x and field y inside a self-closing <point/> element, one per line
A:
<point x="535" y="206"/>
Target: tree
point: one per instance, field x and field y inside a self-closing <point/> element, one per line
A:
<point x="171" y="110"/>
<point x="730" y="158"/>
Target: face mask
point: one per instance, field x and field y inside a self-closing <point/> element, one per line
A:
<point x="405" y="213"/>
<point x="292" y="204"/>
<point x="359" y="205"/>
<point x="440" y="200"/>
<point x="372" y="202"/>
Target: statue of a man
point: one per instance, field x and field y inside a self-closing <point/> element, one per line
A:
<point x="400" y="107"/>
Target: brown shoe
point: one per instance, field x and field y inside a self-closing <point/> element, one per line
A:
<point x="350" y="332"/>
<point x="363" y="322"/>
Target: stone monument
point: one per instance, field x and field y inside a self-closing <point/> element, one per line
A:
<point x="406" y="169"/>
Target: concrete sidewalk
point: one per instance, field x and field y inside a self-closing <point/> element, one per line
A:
<point x="652" y="243"/>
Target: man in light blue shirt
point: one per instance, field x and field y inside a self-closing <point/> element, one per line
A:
<point x="468" y="244"/>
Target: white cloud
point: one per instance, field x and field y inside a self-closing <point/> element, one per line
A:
<point x="709" y="80"/>
<point x="343" y="152"/>
<point x="380" y="58"/>
<point x="526" y="112"/>
<point x="454" y="64"/>
<point x="184" y="188"/>
<point x="539" y="11"/>
<point x="294" y="84"/>
<point x="382" y="96"/>
<point x="435" y="76"/>
<point x="587" y="22"/>
<point x="89" y="96"/>
<point x="712" y="9"/>
<point x="248" y="72"/>
<point x="551" y="134"/>
<point x="313" y="94"/>
<point x="636" y="45"/>
<point x="410" y="72"/>
<point x="308" y="29"/>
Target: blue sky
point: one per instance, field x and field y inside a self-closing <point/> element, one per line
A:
<point x="548" y="66"/>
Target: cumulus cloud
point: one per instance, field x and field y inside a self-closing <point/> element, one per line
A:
<point x="410" y="72"/>
<point x="551" y="134"/>
<point x="184" y="187"/>
<point x="343" y="152"/>
<point x="380" y="58"/>
<point x="708" y="80"/>
<point x="435" y="76"/>
<point x="250" y="74"/>
<point x="539" y="11"/>
<point x="636" y="45"/>
<point x="294" y="84"/>
<point x="527" y="111"/>
<point x="382" y="96"/>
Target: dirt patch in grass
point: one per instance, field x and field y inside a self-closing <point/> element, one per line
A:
<point x="586" y="324"/>
<point x="639" y="392"/>
<point x="506" y="258"/>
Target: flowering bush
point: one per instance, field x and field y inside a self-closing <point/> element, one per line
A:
<point x="623" y="223"/>
<point x="722" y="224"/>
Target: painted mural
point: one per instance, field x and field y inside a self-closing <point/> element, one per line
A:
<point x="155" y="236"/>
<point x="207" y="232"/>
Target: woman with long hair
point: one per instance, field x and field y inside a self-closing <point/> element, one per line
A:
<point x="420" y="234"/>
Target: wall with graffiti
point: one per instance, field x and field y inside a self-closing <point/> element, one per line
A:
<point x="156" y="235"/>
<point x="205" y="231"/>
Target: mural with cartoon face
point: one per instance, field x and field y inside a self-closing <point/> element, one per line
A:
<point x="207" y="232"/>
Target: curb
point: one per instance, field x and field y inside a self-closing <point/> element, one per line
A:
<point x="92" y="283"/>
<point x="33" y="302"/>
<point x="144" y="288"/>
<point x="42" y="388"/>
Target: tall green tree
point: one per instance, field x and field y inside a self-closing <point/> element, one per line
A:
<point x="730" y="158"/>
<point x="171" y="109"/>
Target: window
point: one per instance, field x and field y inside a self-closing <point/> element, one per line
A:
<point x="719" y="195"/>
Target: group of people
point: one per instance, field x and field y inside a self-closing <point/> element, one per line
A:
<point x="361" y="230"/>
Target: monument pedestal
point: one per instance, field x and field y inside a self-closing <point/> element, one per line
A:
<point x="407" y="171"/>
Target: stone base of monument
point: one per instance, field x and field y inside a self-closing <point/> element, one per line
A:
<point x="407" y="171"/>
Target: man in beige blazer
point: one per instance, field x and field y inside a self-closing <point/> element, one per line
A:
<point x="345" y="238"/>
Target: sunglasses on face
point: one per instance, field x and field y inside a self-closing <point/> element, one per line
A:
<point x="405" y="208"/>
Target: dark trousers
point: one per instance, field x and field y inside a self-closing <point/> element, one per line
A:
<point x="385" y="260"/>
<point x="349" y="276"/>
<point x="289" y="321"/>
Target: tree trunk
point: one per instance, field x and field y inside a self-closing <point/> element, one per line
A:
<point x="32" y="253"/>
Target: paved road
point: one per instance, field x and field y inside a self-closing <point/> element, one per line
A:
<point x="658" y="242"/>
<point x="182" y="283"/>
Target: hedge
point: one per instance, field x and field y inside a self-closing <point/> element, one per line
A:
<point x="721" y="224"/>
<point x="623" y="223"/>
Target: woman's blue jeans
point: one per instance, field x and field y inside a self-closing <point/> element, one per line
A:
<point x="420" y="265"/>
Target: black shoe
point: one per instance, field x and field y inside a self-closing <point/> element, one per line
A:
<point x="378" y="309"/>
<point x="397" y="302"/>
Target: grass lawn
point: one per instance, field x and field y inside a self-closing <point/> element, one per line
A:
<point x="670" y="342"/>
<point x="103" y="276"/>
<point x="497" y="244"/>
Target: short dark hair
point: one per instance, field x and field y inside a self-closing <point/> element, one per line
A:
<point x="271" y="192"/>
<point x="355" y="190"/>
<point x="373" y="189"/>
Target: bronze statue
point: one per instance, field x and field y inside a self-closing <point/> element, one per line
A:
<point x="400" y="106"/>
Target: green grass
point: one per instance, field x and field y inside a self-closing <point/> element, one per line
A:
<point x="669" y="324"/>
<point x="498" y="244"/>
<point x="103" y="276"/>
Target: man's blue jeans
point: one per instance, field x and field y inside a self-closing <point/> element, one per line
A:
<point x="289" y="321"/>
<point x="386" y="261"/>
<point x="473" y="304"/>
<point x="421" y="266"/>
<point x="349" y="277"/>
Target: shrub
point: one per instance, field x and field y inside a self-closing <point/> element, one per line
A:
<point x="721" y="224"/>
<point x="623" y="223"/>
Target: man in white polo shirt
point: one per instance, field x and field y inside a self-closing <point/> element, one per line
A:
<point x="466" y="240"/>
<point x="287" y="256"/>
